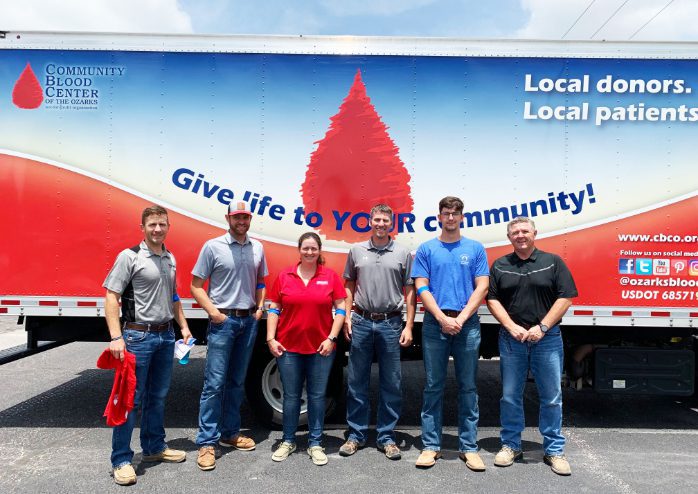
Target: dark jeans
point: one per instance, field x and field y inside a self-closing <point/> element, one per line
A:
<point x="229" y="350"/>
<point x="154" y="352"/>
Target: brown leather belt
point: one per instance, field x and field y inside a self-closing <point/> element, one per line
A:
<point x="144" y="326"/>
<point x="238" y="312"/>
<point x="451" y="313"/>
<point x="377" y="316"/>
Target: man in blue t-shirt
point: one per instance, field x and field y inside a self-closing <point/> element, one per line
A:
<point x="451" y="276"/>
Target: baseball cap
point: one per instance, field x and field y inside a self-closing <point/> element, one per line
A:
<point x="239" y="207"/>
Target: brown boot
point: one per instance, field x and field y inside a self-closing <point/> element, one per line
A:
<point x="473" y="461"/>
<point x="558" y="464"/>
<point x="428" y="458"/>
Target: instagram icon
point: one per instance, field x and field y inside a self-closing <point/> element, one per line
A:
<point x="693" y="267"/>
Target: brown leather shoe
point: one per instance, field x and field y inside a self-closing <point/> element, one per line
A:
<point x="125" y="475"/>
<point x="349" y="448"/>
<point x="167" y="455"/>
<point x="243" y="443"/>
<point x="207" y="458"/>
<point x="428" y="458"/>
<point x="391" y="451"/>
<point x="473" y="461"/>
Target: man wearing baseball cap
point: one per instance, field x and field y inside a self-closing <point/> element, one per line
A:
<point x="235" y="267"/>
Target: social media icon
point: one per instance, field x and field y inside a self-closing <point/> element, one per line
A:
<point x="693" y="267"/>
<point x="644" y="266"/>
<point x="679" y="266"/>
<point x="661" y="267"/>
<point x="626" y="266"/>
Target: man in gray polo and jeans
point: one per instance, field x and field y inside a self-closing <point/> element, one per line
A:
<point x="235" y="267"/>
<point x="376" y="273"/>
<point x="143" y="279"/>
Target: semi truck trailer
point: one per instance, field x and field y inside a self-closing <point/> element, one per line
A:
<point x="594" y="141"/>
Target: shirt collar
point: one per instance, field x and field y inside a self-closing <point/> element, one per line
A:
<point x="388" y="246"/>
<point x="149" y="253"/>
<point x="231" y="240"/>
<point x="531" y="258"/>
<point x="293" y="270"/>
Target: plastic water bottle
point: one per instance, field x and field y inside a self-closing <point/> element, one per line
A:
<point x="179" y="347"/>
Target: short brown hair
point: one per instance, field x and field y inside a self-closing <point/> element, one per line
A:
<point x="382" y="208"/>
<point x="153" y="210"/>
<point x="451" y="202"/>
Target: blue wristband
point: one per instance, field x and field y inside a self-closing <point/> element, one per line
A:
<point x="273" y="311"/>
<point x="175" y="298"/>
<point x="425" y="288"/>
<point x="340" y="312"/>
<point x="260" y="286"/>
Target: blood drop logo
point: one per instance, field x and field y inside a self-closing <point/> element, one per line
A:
<point x="27" y="93"/>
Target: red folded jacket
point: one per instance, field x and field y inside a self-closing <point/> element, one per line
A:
<point x="124" y="389"/>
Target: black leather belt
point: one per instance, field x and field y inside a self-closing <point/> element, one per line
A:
<point x="377" y="316"/>
<point x="144" y="326"/>
<point x="451" y="313"/>
<point x="238" y="312"/>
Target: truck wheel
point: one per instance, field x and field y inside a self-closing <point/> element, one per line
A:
<point x="265" y="392"/>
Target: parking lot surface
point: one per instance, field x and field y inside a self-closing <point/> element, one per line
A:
<point x="53" y="438"/>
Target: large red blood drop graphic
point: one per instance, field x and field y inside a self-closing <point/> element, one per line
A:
<point x="355" y="166"/>
<point x="27" y="93"/>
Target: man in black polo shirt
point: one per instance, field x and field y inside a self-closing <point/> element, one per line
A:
<point x="529" y="292"/>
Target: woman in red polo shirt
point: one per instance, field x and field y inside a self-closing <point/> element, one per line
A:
<point x="301" y="334"/>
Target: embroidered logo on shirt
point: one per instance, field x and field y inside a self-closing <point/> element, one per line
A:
<point x="464" y="259"/>
<point x="322" y="282"/>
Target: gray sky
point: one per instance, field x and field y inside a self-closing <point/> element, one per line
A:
<point x="666" y="20"/>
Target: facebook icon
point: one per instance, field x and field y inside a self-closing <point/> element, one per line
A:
<point x="626" y="266"/>
<point x="643" y="266"/>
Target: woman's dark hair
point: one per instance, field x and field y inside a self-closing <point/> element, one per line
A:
<point x="313" y="236"/>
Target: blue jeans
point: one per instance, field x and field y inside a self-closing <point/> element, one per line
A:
<point x="384" y="338"/>
<point x="229" y="350"/>
<point x="544" y="360"/>
<point x="154" y="353"/>
<point x="465" y="350"/>
<point x="314" y="370"/>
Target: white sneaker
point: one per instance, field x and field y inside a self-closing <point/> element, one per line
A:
<point x="317" y="454"/>
<point x="282" y="452"/>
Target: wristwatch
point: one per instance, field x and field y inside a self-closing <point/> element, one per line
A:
<point x="333" y="339"/>
<point x="543" y="328"/>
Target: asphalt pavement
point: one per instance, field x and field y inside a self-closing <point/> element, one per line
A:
<point x="53" y="439"/>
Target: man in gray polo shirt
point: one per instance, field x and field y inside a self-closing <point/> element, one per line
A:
<point x="143" y="278"/>
<point x="235" y="268"/>
<point x="376" y="273"/>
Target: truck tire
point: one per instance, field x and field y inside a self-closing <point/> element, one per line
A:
<point x="264" y="391"/>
